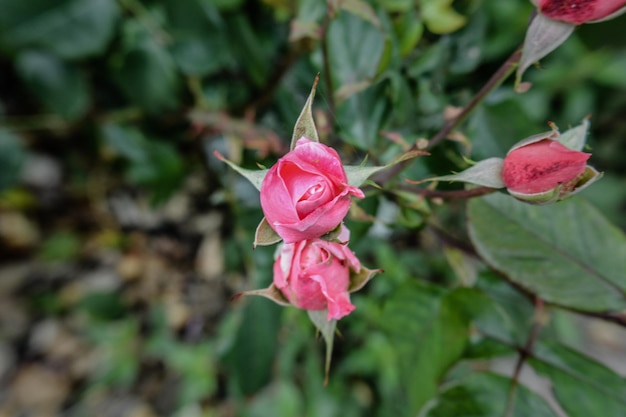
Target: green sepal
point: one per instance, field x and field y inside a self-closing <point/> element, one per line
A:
<point x="359" y="279"/>
<point x="543" y="198"/>
<point x="358" y="174"/>
<point x="255" y="177"/>
<point x="543" y="36"/>
<point x="271" y="292"/>
<point x="327" y="329"/>
<point x="552" y="135"/>
<point x="575" y="137"/>
<point x="305" y="125"/>
<point x="265" y="235"/>
<point x="559" y="193"/>
<point x="486" y="173"/>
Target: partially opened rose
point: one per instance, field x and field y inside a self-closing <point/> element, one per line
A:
<point x="306" y="193"/>
<point x="315" y="275"/>
<point x="544" y="171"/>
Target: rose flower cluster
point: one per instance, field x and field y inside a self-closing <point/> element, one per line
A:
<point x="305" y="196"/>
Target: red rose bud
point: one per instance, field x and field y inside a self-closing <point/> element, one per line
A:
<point x="544" y="171"/>
<point x="306" y="193"/>
<point x="315" y="275"/>
<point x="555" y="22"/>
<point x="578" y="12"/>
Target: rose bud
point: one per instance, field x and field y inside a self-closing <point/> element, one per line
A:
<point x="315" y="275"/>
<point x="555" y="22"/>
<point x="545" y="171"/>
<point x="306" y="193"/>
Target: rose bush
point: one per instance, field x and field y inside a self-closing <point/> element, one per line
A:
<point x="306" y="193"/>
<point x="543" y="171"/>
<point x="315" y="275"/>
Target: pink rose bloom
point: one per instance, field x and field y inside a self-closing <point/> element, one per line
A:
<point x="542" y="166"/>
<point x="315" y="275"/>
<point x="578" y="12"/>
<point x="306" y="193"/>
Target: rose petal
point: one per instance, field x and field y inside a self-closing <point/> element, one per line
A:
<point x="579" y="11"/>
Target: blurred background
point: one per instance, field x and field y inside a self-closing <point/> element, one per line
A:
<point x="122" y="239"/>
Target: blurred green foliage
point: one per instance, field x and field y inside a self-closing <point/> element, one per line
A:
<point x="129" y="98"/>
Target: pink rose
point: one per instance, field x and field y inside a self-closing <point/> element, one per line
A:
<point x="315" y="275"/>
<point x="543" y="166"/>
<point x="578" y="12"/>
<point x="306" y="193"/>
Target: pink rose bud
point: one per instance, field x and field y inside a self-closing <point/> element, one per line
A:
<point x="578" y="12"/>
<point x="306" y="193"/>
<point x="541" y="167"/>
<point x="315" y="275"/>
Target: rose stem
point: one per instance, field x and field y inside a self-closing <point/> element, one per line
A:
<point x="496" y="79"/>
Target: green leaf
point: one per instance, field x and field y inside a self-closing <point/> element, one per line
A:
<point x="282" y="398"/>
<point x="573" y="374"/>
<point x="12" y="157"/>
<point x="361" y="9"/>
<point x="67" y="28"/>
<point x="566" y="253"/>
<point x="429" y="334"/>
<point x="153" y="164"/>
<point x="305" y="125"/>
<point x="104" y="306"/>
<point x="491" y="318"/>
<point x="127" y="142"/>
<point x="493" y="129"/>
<point x="60" y="247"/>
<point x="145" y="71"/>
<point x="468" y="43"/>
<point x="60" y="86"/>
<point x="409" y="31"/>
<point x="361" y="117"/>
<point x="485" y="395"/>
<point x="355" y="48"/>
<point x="118" y="341"/>
<point x="327" y="329"/>
<point x="200" y="44"/>
<point x="500" y="311"/>
<point x="440" y="17"/>
<point x="250" y="361"/>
